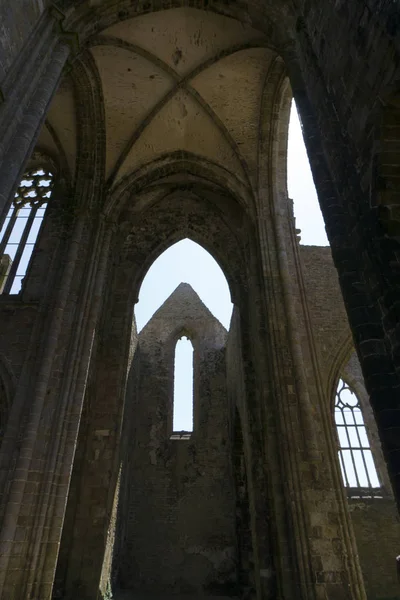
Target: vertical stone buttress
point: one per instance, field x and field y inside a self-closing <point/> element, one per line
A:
<point x="28" y="89"/>
<point x="321" y="549"/>
<point x="177" y="508"/>
<point x="41" y="434"/>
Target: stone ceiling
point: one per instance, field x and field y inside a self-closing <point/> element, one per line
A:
<point x="179" y="79"/>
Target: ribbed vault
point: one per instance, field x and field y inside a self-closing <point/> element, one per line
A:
<point x="176" y="80"/>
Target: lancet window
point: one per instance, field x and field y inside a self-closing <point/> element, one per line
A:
<point x="21" y="227"/>
<point x="355" y="455"/>
<point x="182" y="424"/>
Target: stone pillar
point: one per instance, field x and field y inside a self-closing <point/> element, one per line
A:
<point x="21" y="117"/>
<point x="38" y="485"/>
<point x="320" y="556"/>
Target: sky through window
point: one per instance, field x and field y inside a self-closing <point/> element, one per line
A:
<point x="185" y="262"/>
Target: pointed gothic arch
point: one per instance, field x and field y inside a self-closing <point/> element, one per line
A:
<point x="138" y="248"/>
<point x="186" y="261"/>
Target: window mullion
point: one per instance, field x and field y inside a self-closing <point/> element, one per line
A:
<point x="31" y="200"/>
<point x="350" y="447"/>
<point x="347" y="483"/>
<point x="8" y="230"/>
<point x="352" y="455"/>
<point x="362" y="450"/>
<point x="21" y="248"/>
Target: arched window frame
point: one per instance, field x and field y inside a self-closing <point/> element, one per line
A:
<point x="22" y="225"/>
<point x="358" y="466"/>
<point x="174" y="434"/>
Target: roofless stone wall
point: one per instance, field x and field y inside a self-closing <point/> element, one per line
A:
<point x="178" y="510"/>
<point x="375" y="521"/>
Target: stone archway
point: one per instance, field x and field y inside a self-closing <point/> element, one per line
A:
<point x="143" y="231"/>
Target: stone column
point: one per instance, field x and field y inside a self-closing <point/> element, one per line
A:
<point x="59" y="461"/>
<point x="21" y="80"/>
<point x="321" y="555"/>
<point x="15" y="153"/>
<point x="38" y="486"/>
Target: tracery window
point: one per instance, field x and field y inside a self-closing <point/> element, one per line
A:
<point x="21" y="228"/>
<point x="182" y="420"/>
<point x="355" y="456"/>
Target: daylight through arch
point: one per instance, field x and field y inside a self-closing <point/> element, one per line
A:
<point x="185" y="261"/>
<point x="301" y="186"/>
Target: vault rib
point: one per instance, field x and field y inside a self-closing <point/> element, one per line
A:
<point x="222" y="127"/>
<point x="274" y="77"/>
<point x="110" y="40"/>
<point x="180" y="83"/>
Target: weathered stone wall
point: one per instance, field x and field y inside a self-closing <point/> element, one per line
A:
<point x="376" y="526"/>
<point x="178" y="511"/>
<point x="18" y="18"/>
<point x="342" y="88"/>
<point x="351" y="66"/>
<point x="375" y="521"/>
<point x="328" y="315"/>
<point x="237" y="401"/>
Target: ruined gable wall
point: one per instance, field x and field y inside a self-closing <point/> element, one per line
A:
<point x="375" y="522"/>
<point x="178" y="510"/>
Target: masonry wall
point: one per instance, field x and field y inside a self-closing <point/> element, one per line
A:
<point x="178" y="508"/>
<point x="236" y="394"/>
<point x="376" y="526"/>
<point x="375" y="521"/>
<point x="351" y="62"/>
<point x="328" y="316"/>
<point x="22" y="312"/>
<point x="18" y="19"/>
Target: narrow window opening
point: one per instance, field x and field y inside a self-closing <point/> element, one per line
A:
<point x="21" y="228"/>
<point x="182" y="423"/>
<point x="301" y="187"/>
<point x="355" y="456"/>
